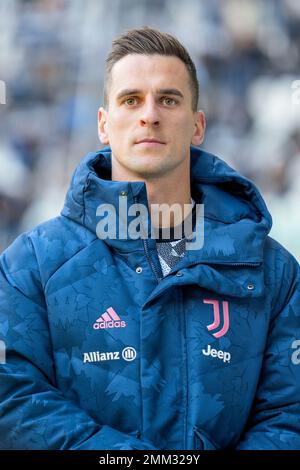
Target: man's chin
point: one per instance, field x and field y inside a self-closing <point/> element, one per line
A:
<point x="150" y="170"/>
<point x="147" y="171"/>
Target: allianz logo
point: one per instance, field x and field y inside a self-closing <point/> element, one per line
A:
<point x="224" y="356"/>
<point x="128" y="354"/>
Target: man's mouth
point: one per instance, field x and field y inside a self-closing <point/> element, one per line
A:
<point x="149" y="142"/>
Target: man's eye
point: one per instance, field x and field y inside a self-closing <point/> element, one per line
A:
<point x="169" y="101"/>
<point x="130" y="101"/>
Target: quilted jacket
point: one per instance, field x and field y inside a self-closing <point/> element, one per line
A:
<point x="100" y="351"/>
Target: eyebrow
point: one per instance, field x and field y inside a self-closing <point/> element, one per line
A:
<point x="161" y="91"/>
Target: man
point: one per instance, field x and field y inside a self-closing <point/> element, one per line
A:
<point x="144" y="342"/>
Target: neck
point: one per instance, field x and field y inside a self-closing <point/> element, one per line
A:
<point x="167" y="192"/>
<point x="171" y="189"/>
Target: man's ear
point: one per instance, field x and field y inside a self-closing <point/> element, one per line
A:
<point x="102" y="126"/>
<point x="199" y="129"/>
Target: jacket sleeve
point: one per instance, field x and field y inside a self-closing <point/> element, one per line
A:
<point x="275" y="418"/>
<point x="34" y="414"/>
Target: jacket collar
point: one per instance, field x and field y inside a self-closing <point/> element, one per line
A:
<point x="236" y="220"/>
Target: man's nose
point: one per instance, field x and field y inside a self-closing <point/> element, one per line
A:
<point x="150" y="114"/>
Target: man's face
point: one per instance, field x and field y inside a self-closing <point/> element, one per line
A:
<point x="150" y="99"/>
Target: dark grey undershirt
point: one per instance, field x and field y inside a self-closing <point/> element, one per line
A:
<point x="171" y="250"/>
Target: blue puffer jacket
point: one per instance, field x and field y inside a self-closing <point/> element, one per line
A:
<point x="102" y="355"/>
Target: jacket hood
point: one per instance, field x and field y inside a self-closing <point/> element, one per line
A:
<point x="236" y="219"/>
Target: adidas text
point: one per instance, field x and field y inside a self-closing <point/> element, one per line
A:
<point x="108" y="324"/>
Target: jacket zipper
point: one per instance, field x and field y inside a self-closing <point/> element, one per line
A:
<point x="152" y="265"/>
<point x="249" y="265"/>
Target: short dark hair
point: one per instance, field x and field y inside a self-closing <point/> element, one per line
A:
<point x="150" y="41"/>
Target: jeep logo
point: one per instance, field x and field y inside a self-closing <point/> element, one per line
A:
<point x="219" y="354"/>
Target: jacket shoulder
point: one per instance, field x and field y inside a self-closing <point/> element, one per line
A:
<point x="282" y="273"/>
<point x="41" y="251"/>
<point x="278" y="256"/>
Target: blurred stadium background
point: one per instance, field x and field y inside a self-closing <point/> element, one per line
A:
<point x="52" y="55"/>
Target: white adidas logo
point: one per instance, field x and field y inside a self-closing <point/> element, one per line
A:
<point x="109" y="319"/>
